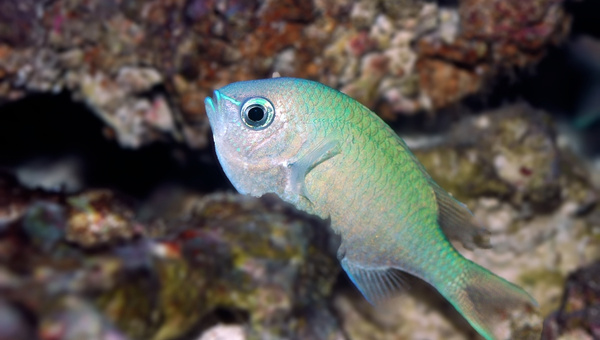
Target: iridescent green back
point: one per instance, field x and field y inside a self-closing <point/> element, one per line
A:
<point x="375" y="187"/>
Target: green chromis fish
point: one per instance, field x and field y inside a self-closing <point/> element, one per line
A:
<point x="330" y="156"/>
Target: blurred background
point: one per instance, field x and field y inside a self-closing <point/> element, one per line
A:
<point x="116" y="221"/>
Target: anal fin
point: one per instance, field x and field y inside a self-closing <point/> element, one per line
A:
<point x="375" y="284"/>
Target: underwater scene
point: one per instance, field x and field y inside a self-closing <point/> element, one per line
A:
<point x="299" y="169"/>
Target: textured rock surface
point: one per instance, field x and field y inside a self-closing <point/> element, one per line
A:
<point x="258" y="261"/>
<point x="578" y="316"/>
<point x="143" y="66"/>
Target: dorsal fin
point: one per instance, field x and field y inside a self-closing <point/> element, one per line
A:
<point x="455" y="219"/>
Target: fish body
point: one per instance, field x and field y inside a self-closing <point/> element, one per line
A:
<point x="330" y="156"/>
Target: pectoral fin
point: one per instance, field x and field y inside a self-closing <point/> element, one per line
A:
<point x="375" y="284"/>
<point x="304" y="164"/>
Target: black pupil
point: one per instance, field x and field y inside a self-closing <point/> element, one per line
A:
<point x="256" y="114"/>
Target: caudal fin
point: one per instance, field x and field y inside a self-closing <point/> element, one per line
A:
<point x="496" y="308"/>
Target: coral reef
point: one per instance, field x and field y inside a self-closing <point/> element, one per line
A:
<point x="577" y="317"/>
<point x="144" y="66"/>
<point x="261" y="260"/>
<point x="89" y="258"/>
<point x="495" y="36"/>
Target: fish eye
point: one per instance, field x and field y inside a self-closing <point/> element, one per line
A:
<point x="257" y="113"/>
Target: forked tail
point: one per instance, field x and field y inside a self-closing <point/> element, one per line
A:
<point x="492" y="305"/>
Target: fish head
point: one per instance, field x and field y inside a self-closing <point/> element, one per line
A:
<point x="257" y="127"/>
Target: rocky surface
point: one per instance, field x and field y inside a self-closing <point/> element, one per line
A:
<point x="226" y="258"/>
<point x="146" y="66"/>
<point x="577" y="317"/>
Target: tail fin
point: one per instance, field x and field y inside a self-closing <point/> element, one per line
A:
<point x="496" y="308"/>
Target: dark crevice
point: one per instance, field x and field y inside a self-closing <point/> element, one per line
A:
<point x="585" y="16"/>
<point x="48" y="128"/>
